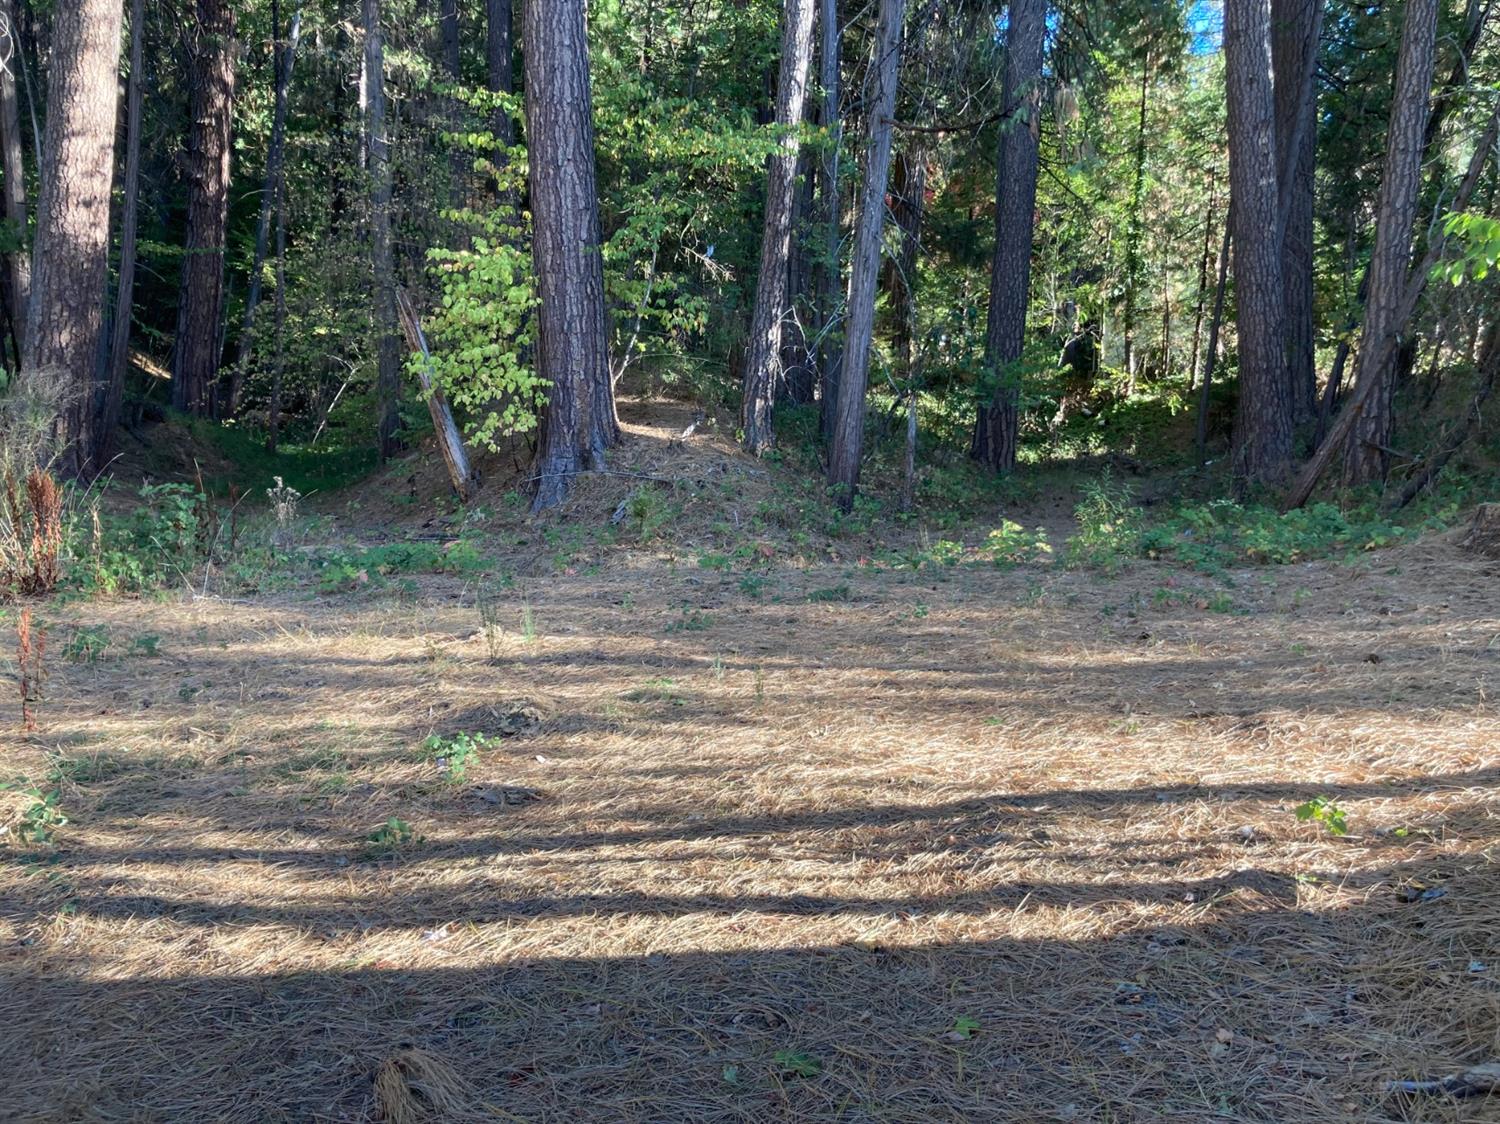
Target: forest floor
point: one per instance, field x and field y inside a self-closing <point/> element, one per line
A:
<point x="843" y="844"/>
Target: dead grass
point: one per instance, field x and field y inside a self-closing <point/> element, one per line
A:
<point x="1056" y="804"/>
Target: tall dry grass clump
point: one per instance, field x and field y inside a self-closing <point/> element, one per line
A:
<point x="31" y="501"/>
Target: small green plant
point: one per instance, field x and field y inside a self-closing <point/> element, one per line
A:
<point x="455" y="754"/>
<point x="42" y="817"/>
<point x="489" y="621"/>
<point x="87" y="644"/>
<point x="528" y="624"/>
<point x="146" y="644"/>
<point x="752" y="585"/>
<point x="963" y="1028"/>
<point x="1109" y="527"/>
<point x="390" y="838"/>
<point x="1322" y="810"/>
<point x="691" y="621"/>
<point x="832" y="593"/>
<point x="714" y="562"/>
<point x="797" y="1063"/>
<point x="1011" y="544"/>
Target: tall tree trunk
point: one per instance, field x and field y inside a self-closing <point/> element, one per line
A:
<point x="200" y="304"/>
<point x="270" y="193"/>
<point x="1136" y="228"/>
<point x="907" y="206"/>
<point x="1262" y="447"/>
<point x="18" y="262"/>
<point x="382" y="257"/>
<point x="763" y="363"/>
<point x="1203" y="265"/>
<point x="830" y="346"/>
<point x="112" y="392"/>
<point x="72" y="235"/>
<point x="864" y="268"/>
<point x="798" y="379"/>
<point x="1295" y="27"/>
<point x="572" y="340"/>
<point x="1211" y="353"/>
<point x="995" y="430"/>
<point x="1366" y="458"/>
<point x="499" y="64"/>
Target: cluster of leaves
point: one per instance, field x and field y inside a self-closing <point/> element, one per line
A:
<point x="455" y="754"/>
<point x="343" y="570"/>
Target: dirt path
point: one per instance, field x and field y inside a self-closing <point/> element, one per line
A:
<point x="838" y="845"/>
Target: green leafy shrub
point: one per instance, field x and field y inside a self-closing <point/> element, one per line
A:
<point x="454" y="754"/>
<point x="1109" y="526"/>
<point x="1011" y="544"/>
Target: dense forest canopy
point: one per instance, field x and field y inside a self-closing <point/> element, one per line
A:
<point x="1041" y="230"/>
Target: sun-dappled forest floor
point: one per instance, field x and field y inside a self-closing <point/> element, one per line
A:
<point x="956" y="844"/>
<point x="691" y="803"/>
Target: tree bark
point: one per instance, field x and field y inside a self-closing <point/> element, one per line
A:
<point x="1262" y="447"/>
<point x="864" y="268"/>
<point x="72" y="235"/>
<point x="1136" y="228"/>
<point x="830" y="347"/>
<point x="18" y="262"/>
<point x="996" y="428"/>
<point x="382" y="257"/>
<point x="1365" y="457"/>
<point x="763" y="363"/>
<point x="112" y="392"/>
<point x="200" y="302"/>
<point x="572" y="340"/>
<point x="499" y="64"/>
<point x="1211" y="352"/>
<point x="1296" y="25"/>
<point x="271" y="190"/>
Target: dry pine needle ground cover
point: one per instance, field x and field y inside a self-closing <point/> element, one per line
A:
<point x="959" y="846"/>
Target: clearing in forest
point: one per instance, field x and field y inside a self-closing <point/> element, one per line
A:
<point x="835" y="843"/>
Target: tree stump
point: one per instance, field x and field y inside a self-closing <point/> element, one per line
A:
<point x="1484" y="531"/>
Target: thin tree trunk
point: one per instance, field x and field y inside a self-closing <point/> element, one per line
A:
<point x="200" y="302"/>
<point x="464" y="479"/>
<point x="1262" y="447"/>
<point x="499" y="64"/>
<point x="18" y="262"/>
<point x="1134" y="231"/>
<point x="797" y="383"/>
<point x="72" y="235"/>
<point x="997" y="426"/>
<point x="830" y="346"/>
<point x="382" y="258"/>
<point x="278" y="324"/>
<point x="572" y="340"/>
<point x="1211" y="352"/>
<point x="113" y="390"/>
<point x="1365" y="457"/>
<point x="1458" y="435"/>
<point x="271" y="192"/>
<point x="763" y="362"/>
<point x="1203" y="266"/>
<point x="864" y="269"/>
<point x="1296" y="27"/>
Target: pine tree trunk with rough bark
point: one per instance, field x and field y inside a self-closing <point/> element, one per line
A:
<point x="847" y="445"/>
<point x="1261" y="450"/>
<point x="763" y="361"/>
<point x="1366" y="456"/>
<point x="995" y="430"/>
<point x="112" y="378"/>
<point x="200" y="303"/>
<point x="572" y="339"/>
<point x="71" y="253"/>
<point x="1295" y="25"/>
<point x="18" y="262"/>
<point x="830" y="346"/>
<point x="382" y="256"/>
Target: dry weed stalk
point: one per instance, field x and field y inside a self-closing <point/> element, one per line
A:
<point x="31" y="646"/>
<point x="31" y="534"/>
<point x="415" y="1086"/>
